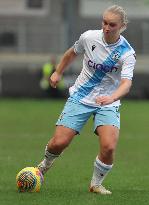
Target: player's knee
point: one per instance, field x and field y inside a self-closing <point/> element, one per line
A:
<point x="57" y="144"/>
<point x="108" y="150"/>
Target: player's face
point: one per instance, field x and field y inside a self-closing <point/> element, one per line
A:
<point x="111" y="24"/>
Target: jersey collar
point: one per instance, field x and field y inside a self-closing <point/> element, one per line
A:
<point x="110" y="45"/>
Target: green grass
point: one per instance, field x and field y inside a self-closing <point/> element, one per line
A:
<point x="25" y="128"/>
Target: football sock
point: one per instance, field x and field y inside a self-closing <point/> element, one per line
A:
<point x="49" y="157"/>
<point x="47" y="162"/>
<point x="100" y="172"/>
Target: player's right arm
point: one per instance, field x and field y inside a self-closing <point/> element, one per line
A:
<point x="65" y="61"/>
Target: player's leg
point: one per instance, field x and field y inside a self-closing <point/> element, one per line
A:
<point x="60" y="140"/>
<point x="70" y="123"/>
<point x="108" y="132"/>
<point x="108" y="137"/>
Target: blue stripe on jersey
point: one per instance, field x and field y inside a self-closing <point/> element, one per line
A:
<point x="98" y="75"/>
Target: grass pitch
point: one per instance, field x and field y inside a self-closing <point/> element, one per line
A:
<point x="25" y="128"/>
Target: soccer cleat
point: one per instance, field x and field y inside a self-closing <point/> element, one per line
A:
<point x="99" y="190"/>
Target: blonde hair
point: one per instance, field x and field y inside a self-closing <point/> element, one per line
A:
<point x="121" y="12"/>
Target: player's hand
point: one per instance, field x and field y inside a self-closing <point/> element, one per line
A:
<point x="54" y="79"/>
<point x="104" y="100"/>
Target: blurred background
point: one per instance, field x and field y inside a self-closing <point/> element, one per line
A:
<point x="35" y="33"/>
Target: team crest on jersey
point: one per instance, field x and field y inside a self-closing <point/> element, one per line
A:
<point x="116" y="55"/>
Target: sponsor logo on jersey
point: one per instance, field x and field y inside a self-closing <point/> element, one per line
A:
<point x="104" y="68"/>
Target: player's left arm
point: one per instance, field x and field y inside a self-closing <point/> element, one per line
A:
<point x="122" y="90"/>
<point x="125" y="84"/>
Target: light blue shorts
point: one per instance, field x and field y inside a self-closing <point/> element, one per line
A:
<point x="76" y="114"/>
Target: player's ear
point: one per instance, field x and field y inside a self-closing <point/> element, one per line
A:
<point x="123" y="27"/>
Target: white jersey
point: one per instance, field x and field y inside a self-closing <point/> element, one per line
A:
<point x="104" y="65"/>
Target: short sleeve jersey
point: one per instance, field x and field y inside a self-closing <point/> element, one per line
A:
<point x="104" y="65"/>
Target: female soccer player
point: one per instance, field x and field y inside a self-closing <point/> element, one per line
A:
<point x="106" y="76"/>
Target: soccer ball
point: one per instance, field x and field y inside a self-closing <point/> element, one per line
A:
<point x="29" y="179"/>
